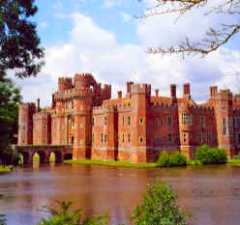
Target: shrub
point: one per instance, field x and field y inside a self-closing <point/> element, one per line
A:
<point x="62" y="214"/>
<point x="237" y="157"/>
<point x="159" y="207"/>
<point x="172" y="159"/>
<point x="207" y="155"/>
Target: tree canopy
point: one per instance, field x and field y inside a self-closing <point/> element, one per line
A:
<point x="9" y="101"/>
<point x="215" y="37"/>
<point x="19" y="43"/>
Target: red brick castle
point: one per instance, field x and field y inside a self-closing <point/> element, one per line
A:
<point x="135" y="127"/>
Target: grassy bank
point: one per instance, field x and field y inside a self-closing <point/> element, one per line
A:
<point x="5" y="169"/>
<point x="112" y="163"/>
<point x="234" y="162"/>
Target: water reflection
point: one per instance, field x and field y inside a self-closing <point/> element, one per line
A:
<point x="210" y="194"/>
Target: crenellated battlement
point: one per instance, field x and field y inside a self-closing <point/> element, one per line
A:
<point x="84" y="80"/>
<point x="141" y="89"/>
<point x="64" y="83"/>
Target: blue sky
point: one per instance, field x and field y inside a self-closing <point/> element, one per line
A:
<point x="104" y="37"/>
<point x="53" y="27"/>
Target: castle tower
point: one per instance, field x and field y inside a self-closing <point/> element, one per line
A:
<point x="224" y="120"/>
<point x="185" y="130"/>
<point x="185" y="124"/>
<point x="25" y="123"/>
<point x="83" y="103"/>
<point x="140" y="97"/>
<point x="112" y="133"/>
<point x="41" y="128"/>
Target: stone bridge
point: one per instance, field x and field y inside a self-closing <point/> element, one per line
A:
<point x="62" y="152"/>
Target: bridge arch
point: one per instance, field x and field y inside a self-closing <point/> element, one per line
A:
<point x="57" y="156"/>
<point x="43" y="158"/>
<point x="25" y="157"/>
<point x="67" y="156"/>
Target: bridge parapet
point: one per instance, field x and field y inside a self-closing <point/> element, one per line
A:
<point x="61" y="152"/>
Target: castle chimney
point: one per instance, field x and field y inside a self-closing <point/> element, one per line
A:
<point x="173" y="90"/>
<point x="186" y="90"/>
<point x="129" y="84"/>
<point x="38" y="104"/>
<point x="213" y="91"/>
<point x="53" y="101"/>
<point x="119" y="94"/>
<point x="157" y="92"/>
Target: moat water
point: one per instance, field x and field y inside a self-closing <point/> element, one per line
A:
<point x="210" y="194"/>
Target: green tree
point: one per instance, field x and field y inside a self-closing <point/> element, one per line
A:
<point x="159" y="207"/>
<point x="9" y="101"/>
<point x="63" y="214"/>
<point x="19" y="44"/>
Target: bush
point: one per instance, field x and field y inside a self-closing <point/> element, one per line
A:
<point x="159" y="207"/>
<point x="207" y="155"/>
<point x="237" y="157"/>
<point x="172" y="159"/>
<point x="62" y="214"/>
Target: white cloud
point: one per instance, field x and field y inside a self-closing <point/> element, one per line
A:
<point x="112" y="3"/>
<point x="94" y="49"/>
<point x="126" y="18"/>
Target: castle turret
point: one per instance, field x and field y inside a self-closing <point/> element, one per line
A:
<point x="25" y="123"/>
<point x="224" y="119"/>
<point x="140" y="97"/>
<point x="185" y="130"/>
<point x="187" y="91"/>
<point x="41" y="128"/>
<point x="83" y="104"/>
<point x="64" y="83"/>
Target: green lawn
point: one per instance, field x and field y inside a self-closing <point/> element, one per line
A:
<point x="5" y="169"/>
<point x="234" y="162"/>
<point x="112" y="163"/>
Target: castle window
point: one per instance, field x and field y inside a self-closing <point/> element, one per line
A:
<point x="141" y="140"/>
<point x="72" y="140"/>
<point x="224" y="131"/>
<point x="123" y="138"/>
<point x="129" y="120"/>
<point x="105" y="120"/>
<point x="238" y="138"/>
<point x="202" y="121"/>
<point x="169" y="121"/>
<point x="129" y="138"/>
<point x="169" y="138"/>
<point x="93" y="121"/>
<point x="158" y="123"/>
<point x="141" y="120"/>
<point x="123" y="120"/>
<point x="101" y="138"/>
<point x="186" y="118"/>
<point x="184" y="137"/>
<point x="105" y="138"/>
<point x="237" y="122"/>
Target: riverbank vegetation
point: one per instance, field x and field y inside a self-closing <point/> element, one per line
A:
<point x="207" y="155"/>
<point x="5" y="169"/>
<point x="171" y="159"/>
<point x="112" y="163"/>
<point x="159" y="206"/>
<point x="204" y="155"/>
<point x="64" y="214"/>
